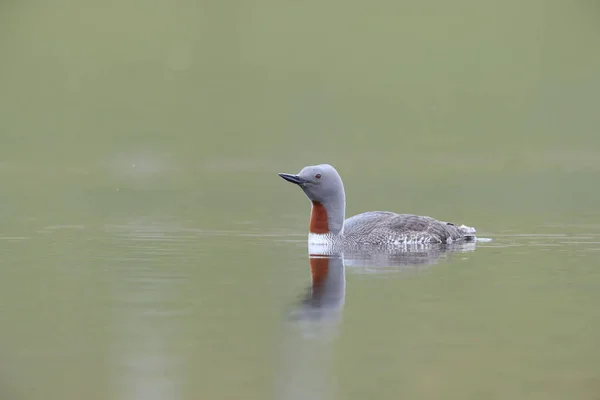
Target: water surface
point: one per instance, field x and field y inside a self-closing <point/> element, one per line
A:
<point x="149" y="250"/>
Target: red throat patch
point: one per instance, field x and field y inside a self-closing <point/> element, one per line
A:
<point x="318" y="219"/>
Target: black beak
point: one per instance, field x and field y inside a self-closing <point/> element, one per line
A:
<point x="292" y="178"/>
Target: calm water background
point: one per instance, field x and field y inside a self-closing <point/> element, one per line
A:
<point x="149" y="251"/>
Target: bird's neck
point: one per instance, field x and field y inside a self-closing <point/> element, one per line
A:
<point x="327" y="218"/>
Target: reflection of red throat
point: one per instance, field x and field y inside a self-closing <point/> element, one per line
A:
<point x="318" y="219"/>
<point x="319" y="266"/>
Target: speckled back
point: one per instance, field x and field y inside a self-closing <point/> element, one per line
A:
<point x="390" y="229"/>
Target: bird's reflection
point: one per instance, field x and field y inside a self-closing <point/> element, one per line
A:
<point x="403" y="259"/>
<point x="315" y="319"/>
<point x="313" y="324"/>
<point x="325" y="297"/>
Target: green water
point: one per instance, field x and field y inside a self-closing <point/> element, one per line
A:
<point x="149" y="250"/>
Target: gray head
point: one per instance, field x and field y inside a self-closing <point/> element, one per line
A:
<point x="323" y="185"/>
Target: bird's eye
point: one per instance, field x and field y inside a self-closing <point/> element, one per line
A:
<point x="318" y="176"/>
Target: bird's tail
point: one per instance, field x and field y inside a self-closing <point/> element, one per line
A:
<point x="468" y="233"/>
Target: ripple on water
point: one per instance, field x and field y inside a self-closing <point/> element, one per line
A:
<point x="147" y="272"/>
<point x="15" y="238"/>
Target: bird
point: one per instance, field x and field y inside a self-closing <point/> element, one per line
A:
<point x="328" y="226"/>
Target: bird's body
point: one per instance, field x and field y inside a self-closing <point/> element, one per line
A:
<point x="388" y="228"/>
<point x="323" y="186"/>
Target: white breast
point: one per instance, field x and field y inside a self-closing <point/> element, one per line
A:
<point x="321" y="243"/>
<point x="320" y="239"/>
